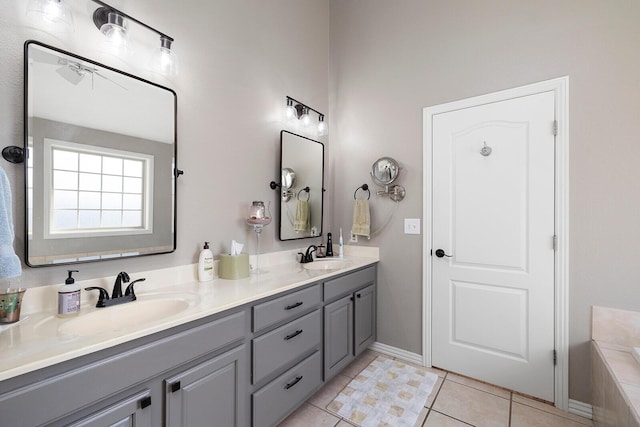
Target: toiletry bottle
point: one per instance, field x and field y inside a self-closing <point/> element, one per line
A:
<point x="340" y="245"/>
<point x="205" y="264"/>
<point x="329" y="245"/>
<point x="320" y="251"/>
<point x="69" y="297"/>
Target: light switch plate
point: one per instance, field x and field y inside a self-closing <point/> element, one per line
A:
<point x="412" y="226"/>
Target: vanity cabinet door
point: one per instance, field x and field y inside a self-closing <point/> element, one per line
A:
<point x="365" y="318"/>
<point x="134" y="411"/>
<point x="338" y="335"/>
<point x="211" y="393"/>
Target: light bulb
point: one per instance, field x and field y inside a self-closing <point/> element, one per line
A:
<point x="164" y="59"/>
<point x="53" y="14"/>
<point x="304" y="118"/>
<point x="289" y="111"/>
<point x="53" y="11"/>
<point x="115" y="29"/>
<point x="322" y="126"/>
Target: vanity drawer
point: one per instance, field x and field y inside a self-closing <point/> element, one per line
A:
<point x="346" y="284"/>
<point x="275" y="400"/>
<point x="285" y="344"/>
<point x="286" y="307"/>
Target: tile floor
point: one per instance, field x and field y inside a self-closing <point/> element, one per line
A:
<point x="455" y="402"/>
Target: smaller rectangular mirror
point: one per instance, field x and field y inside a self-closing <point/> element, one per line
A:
<point x="302" y="186"/>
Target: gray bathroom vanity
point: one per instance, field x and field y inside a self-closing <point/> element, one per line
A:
<point x="250" y="365"/>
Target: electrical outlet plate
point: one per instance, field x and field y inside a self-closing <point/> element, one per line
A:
<point x="354" y="238"/>
<point x="412" y="226"/>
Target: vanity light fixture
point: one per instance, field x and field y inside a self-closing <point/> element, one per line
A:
<point x="322" y="125"/>
<point x="289" y="111"/>
<point x="164" y="59"/>
<point x="113" y="24"/>
<point x="296" y="109"/>
<point x="304" y="118"/>
<point x="55" y="14"/>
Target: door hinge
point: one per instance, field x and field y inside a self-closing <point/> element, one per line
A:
<point x="555" y="242"/>
<point x="555" y="358"/>
<point x="555" y="128"/>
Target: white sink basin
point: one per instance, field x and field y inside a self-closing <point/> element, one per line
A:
<point x="327" y="264"/>
<point x="128" y="316"/>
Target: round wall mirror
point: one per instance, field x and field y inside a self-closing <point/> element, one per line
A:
<point x="384" y="171"/>
<point x="288" y="179"/>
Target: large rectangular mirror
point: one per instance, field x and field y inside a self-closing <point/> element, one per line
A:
<point x="100" y="161"/>
<point x="301" y="185"/>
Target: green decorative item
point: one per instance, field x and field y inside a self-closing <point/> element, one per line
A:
<point x="10" y="303"/>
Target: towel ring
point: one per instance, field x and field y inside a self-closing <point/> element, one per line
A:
<point x="308" y="193"/>
<point x="363" y="187"/>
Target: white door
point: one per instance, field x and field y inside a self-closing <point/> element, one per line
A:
<point x="493" y="216"/>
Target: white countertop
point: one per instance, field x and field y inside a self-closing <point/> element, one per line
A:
<point x="38" y="340"/>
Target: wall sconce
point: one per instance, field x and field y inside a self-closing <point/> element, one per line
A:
<point x="301" y="112"/>
<point x="55" y="14"/>
<point x="113" y="24"/>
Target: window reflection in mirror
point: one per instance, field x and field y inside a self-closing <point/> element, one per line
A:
<point x="302" y="186"/>
<point x="101" y="146"/>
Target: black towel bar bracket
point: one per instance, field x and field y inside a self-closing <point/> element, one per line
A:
<point x="13" y="154"/>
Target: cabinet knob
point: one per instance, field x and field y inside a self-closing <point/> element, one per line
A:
<point x="145" y="402"/>
<point x="359" y="295"/>
<point x="175" y="386"/>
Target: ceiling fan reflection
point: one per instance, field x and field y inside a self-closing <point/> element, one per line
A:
<point x="75" y="72"/>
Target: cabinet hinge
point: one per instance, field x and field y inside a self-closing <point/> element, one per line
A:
<point x="555" y="128"/>
<point x="555" y="358"/>
<point x="555" y="242"/>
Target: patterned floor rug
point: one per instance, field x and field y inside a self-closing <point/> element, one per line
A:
<point x="386" y="393"/>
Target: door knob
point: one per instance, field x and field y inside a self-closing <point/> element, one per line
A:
<point x="440" y="253"/>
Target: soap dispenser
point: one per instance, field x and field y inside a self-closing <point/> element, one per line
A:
<point x="69" y="297"/>
<point x="329" y="245"/>
<point x="205" y="264"/>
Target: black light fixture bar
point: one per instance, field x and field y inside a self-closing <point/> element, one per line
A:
<point x="301" y="103"/>
<point x="113" y="9"/>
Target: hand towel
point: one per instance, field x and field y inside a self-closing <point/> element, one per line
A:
<point x="361" y="218"/>
<point x="9" y="263"/>
<point x="303" y="219"/>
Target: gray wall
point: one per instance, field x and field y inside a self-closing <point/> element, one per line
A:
<point x="389" y="60"/>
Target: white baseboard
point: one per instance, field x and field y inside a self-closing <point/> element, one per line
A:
<point x="396" y="352"/>
<point x="575" y="407"/>
<point x="580" y="408"/>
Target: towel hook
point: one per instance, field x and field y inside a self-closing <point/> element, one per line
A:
<point x="486" y="150"/>
<point x="363" y="187"/>
<point x="308" y="193"/>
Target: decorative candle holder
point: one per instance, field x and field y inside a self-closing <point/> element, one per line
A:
<point x="259" y="217"/>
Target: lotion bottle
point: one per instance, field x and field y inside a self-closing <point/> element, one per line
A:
<point x="340" y="245"/>
<point x="205" y="264"/>
<point x="69" y="297"/>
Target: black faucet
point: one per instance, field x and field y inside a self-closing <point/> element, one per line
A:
<point x="308" y="256"/>
<point x="116" y="297"/>
<point x="117" y="287"/>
